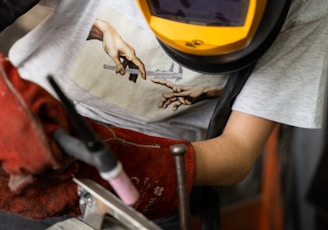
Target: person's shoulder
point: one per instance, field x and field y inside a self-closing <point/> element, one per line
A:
<point x="307" y="11"/>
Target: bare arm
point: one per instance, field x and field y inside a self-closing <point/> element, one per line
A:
<point x="228" y="158"/>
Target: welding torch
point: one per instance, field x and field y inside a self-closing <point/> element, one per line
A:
<point x="92" y="150"/>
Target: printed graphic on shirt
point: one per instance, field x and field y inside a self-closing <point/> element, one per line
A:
<point x="153" y="85"/>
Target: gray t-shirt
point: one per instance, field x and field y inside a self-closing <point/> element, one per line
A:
<point x="287" y="86"/>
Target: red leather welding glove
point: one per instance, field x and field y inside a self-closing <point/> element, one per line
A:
<point x="36" y="166"/>
<point x="28" y="117"/>
<point x="147" y="160"/>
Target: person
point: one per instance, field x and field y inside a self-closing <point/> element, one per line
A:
<point x="286" y="86"/>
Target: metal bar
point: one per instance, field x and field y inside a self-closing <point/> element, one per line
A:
<point x="178" y="151"/>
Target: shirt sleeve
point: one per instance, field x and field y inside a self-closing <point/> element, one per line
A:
<point x="288" y="84"/>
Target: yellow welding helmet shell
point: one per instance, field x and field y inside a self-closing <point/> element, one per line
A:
<point x="215" y="36"/>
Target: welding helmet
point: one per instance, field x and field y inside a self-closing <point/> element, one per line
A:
<point x="215" y="36"/>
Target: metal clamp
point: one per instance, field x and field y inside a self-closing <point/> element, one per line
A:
<point x="96" y="202"/>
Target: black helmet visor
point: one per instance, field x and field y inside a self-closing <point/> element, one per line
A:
<point x="203" y="12"/>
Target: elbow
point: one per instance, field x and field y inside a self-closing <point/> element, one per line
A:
<point x="239" y="177"/>
<point x="236" y="174"/>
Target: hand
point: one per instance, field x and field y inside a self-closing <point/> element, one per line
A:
<point x="28" y="117"/>
<point x="147" y="160"/>
<point x="117" y="49"/>
<point x="184" y="95"/>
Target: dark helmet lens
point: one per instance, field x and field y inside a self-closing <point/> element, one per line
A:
<point x="202" y="12"/>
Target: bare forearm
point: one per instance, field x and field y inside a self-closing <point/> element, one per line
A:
<point x="221" y="162"/>
<point x="227" y="159"/>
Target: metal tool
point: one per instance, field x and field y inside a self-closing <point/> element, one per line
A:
<point x="93" y="150"/>
<point x="178" y="151"/>
<point x="96" y="201"/>
<point x="169" y="74"/>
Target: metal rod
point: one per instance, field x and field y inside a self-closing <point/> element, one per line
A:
<point x="178" y="151"/>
